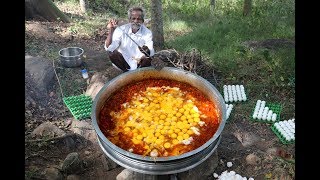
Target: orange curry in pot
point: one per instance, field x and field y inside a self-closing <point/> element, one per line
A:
<point x="159" y="118"/>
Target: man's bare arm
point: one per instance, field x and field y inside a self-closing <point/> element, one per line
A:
<point x="112" y="24"/>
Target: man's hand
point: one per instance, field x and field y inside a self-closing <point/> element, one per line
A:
<point x="145" y="50"/>
<point x="112" y="24"/>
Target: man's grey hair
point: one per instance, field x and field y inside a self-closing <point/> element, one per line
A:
<point x="136" y="8"/>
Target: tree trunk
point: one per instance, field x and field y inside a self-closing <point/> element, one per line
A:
<point x="212" y="5"/>
<point x="247" y="7"/>
<point x="44" y="10"/>
<point x="157" y="24"/>
<point x="83" y="6"/>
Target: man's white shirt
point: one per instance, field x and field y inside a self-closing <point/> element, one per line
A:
<point x="127" y="47"/>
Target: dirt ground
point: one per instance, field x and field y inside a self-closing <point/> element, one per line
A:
<point x="268" y="158"/>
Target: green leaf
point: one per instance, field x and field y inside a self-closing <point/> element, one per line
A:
<point x="281" y="78"/>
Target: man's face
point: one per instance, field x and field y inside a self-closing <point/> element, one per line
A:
<point x="136" y="20"/>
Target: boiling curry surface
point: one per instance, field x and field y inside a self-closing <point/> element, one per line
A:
<point x="159" y="118"/>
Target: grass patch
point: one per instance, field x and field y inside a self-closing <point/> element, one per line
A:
<point x="85" y="24"/>
<point x="36" y="47"/>
<point x="71" y="81"/>
<point x="222" y="37"/>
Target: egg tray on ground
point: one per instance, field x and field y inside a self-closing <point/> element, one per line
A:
<point x="235" y="102"/>
<point x="231" y="116"/>
<point x="79" y="106"/>
<point x="275" y="107"/>
<point x="281" y="138"/>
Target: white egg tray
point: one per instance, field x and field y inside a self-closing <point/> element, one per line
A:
<point x="285" y="130"/>
<point x="266" y="112"/>
<point x="232" y="175"/>
<point x="229" y="109"/>
<point x="234" y="93"/>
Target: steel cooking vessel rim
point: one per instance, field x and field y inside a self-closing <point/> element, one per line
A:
<point x="137" y="156"/>
<point x="73" y="47"/>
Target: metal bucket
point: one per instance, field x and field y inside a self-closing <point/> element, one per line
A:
<point x="160" y="165"/>
<point x="71" y="56"/>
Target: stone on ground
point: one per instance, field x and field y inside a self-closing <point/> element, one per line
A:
<point x="39" y="76"/>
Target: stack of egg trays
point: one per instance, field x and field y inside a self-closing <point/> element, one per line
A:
<point x="275" y="107"/>
<point x="79" y="106"/>
<point x="278" y="134"/>
<point x="234" y="102"/>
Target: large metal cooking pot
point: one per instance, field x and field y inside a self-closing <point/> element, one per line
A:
<point x="159" y="165"/>
<point x="71" y="56"/>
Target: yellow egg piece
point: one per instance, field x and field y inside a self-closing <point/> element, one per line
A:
<point x="161" y="137"/>
<point x="186" y="113"/>
<point x="173" y="135"/>
<point x="162" y="116"/>
<point x="176" y="130"/>
<point x="175" y="141"/>
<point x="139" y="137"/>
<point x="147" y="140"/>
<point x="158" y="141"/>
<point x="152" y="104"/>
<point x="174" y="118"/>
<point x="167" y="145"/>
<point x="196" y="119"/>
<point x="190" y="105"/>
<point x="157" y="134"/>
<point x="136" y="141"/>
<point x="150" y="135"/>
<point x="180" y="138"/>
<point x="190" y="132"/>
<point x="144" y="134"/>
<point x="196" y="115"/>
<point x="163" y="131"/>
